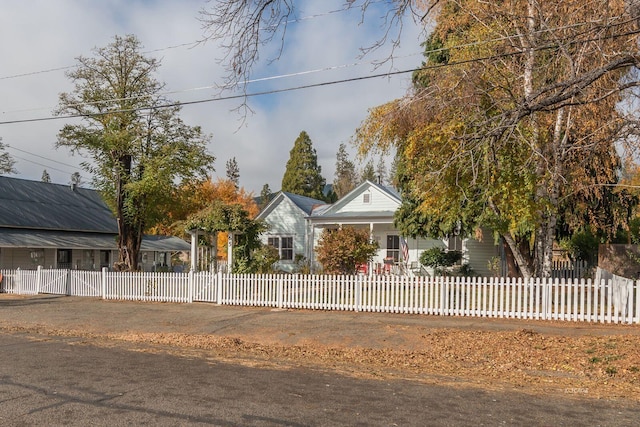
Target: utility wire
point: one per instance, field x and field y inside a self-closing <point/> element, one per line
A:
<point x="42" y="157"/>
<point x="313" y="85"/>
<point x="300" y="73"/>
<point x="189" y="44"/>
<point x="43" y="165"/>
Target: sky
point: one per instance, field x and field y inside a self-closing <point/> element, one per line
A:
<point x="43" y="38"/>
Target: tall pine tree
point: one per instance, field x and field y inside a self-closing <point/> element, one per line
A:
<point x="368" y="173"/>
<point x="303" y="174"/>
<point x="345" y="179"/>
<point x="265" y="196"/>
<point x="6" y="161"/>
<point x="233" y="172"/>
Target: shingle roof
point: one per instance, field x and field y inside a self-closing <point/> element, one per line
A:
<point x="46" y="206"/>
<point x="305" y="203"/>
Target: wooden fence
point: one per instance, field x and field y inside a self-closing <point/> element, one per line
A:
<point x="615" y="300"/>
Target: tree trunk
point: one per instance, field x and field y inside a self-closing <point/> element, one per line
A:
<point x="129" y="235"/>
<point x="519" y="257"/>
<point x="512" y="266"/>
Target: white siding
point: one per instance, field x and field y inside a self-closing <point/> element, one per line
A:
<point x="13" y="258"/>
<point x="378" y="202"/>
<point x="478" y="253"/>
<point x="286" y="219"/>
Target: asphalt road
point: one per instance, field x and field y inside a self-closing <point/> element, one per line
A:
<point x="50" y="380"/>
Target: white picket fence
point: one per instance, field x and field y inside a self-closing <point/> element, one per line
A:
<point x="606" y="301"/>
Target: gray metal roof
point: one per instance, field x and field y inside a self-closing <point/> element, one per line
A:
<point x="164" y="244"/>
<point x="305" y="203"/>
<point x="46" y="206"/>
<point x="14" y="238"/>
<point x="37" y="214"/>
<point x="10" y="238"/>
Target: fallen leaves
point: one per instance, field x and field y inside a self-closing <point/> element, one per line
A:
<point x="598" y="366"/>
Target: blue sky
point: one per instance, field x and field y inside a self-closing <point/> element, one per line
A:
<point x="41" y="36"/>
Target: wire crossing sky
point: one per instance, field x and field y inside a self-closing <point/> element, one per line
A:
<point x="323" y="46"/>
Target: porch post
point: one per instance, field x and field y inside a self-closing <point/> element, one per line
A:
<point x="311" y="248"/>
<point x="194" y="250"/>
<point x="230" y="252"/>
<point x="372" y="262"/>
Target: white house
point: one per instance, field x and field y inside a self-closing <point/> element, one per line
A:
<point x="297" y="223"/>
<point x="289" y="231"/>
<point x="372" y="206"/>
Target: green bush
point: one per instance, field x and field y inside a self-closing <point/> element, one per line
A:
<point x="439" y="259"/>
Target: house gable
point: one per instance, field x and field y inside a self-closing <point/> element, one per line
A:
<point x="286" y="217"/>
<point x="367" y="198"/>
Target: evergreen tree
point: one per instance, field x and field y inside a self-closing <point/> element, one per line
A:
<point x="303" y="174"/>
<point x="381" y="171"/>
<point x="6" y="161"/>
<point x="368" y="173"/>
<point x="393" y="172"/>
<point x="233" y="172"/>
<point x="76" y="179"/>
<point x="345" y="178"/>
<point x="45" y="176"/>
<point x="265" y="196"/>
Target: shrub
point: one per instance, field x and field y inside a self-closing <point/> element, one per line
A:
<point x="341" y="251"/>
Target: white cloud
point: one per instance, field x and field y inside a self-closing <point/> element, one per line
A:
<point x="44" y="35"/>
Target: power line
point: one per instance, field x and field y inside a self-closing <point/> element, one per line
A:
<point x="194" y="89"/>
<point x="189" y="44"/>
<point x="313" y="85"/>
<point x="42" y="157"/>
<point x="387" y="74"/>
<point x="43" y="165"/>
<point x="215" y="99"/>
<point x="300" y="73"/>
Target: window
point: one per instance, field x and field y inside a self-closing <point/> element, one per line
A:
<point x="64" y="258"/>
<point x="366" y="198"/>
<point x="393" y="248"/>
<point x="105" y="259"/>
<point x="286" y="248"/>
<point x="284" y="245"/>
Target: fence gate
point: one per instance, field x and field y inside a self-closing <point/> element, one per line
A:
<point x="53" y="282"/>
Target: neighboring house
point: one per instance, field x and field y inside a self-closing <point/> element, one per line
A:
<point x="371" y="206"/>
<point x="60" y="226"/>
<point x="288" y="229"/>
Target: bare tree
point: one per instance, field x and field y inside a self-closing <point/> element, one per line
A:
<point x="244" y="26"/>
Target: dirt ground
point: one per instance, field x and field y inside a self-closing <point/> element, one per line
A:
<point x="537" y="357"/>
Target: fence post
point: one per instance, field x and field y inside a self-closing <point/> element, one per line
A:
<point x="358" y="300"/>
<point x="104" y="282"/>
<point x="280" y="290"/>
<point x="38" y="279"/>
<point x="68" y="282"/>
<point x="219" y="288"/>
<point x="190" y="287"/>
<point x="18" y="284"/>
